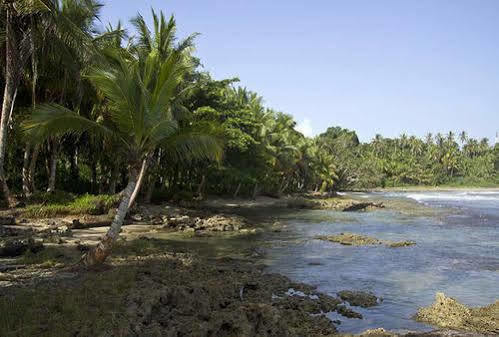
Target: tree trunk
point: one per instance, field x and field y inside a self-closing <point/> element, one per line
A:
<point x="32" y="168"/>
<point x="237" y="190"/>
<point x="99" y="253"/>
<point x="150" y="188"/>
<point x="201" y="186"/>
<point x="73" y="163"/>
<point x="52" y="166"/>
<point x="282" y="188"/>
<point x="139" y="182"/>
<point x="255" y="191"/>
<point x="9" y="96"/>
<point x="26" y="183"/>
<point x="114" y="177"/>
<point x="102" y="180"/>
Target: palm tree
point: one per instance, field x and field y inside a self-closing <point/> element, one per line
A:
<point x="16" y="17"/>
<point x="463" y="137"/>
<point x="139" y="92"/>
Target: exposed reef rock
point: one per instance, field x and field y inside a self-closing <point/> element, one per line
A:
<point x="16" y="247"/>
<point x="446" y="312"/>
<point x="352" y="239"/>
<point x="223" y="299"/>
<point x="338" y="204"/>
<point x="358" y="298"/>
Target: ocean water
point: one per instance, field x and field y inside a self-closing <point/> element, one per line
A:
<point x="457" y="252"/>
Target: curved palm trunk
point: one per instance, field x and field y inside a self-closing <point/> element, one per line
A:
<point x="138" y="185"/>
<point x="99" y="253"/>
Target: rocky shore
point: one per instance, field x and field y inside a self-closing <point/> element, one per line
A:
<point x="446" y="312"/>
<point x="351" y="239"/>
<point x="169" y="292"/>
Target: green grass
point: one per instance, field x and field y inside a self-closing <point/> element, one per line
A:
<point x="47" y="257"/>
<point x="89" y="306"/>
<point x="56" y="197"/>
<point x="92" y="305"/>
<point x="64" y="205"/>
<point x="140" y="247"/>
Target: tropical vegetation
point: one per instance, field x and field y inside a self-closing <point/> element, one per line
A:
<point x="101" y="111"/>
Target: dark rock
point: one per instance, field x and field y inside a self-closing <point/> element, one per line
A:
<point x="358" y="298"/>
<point x="77" y="224"/>
<point x="82" y="248"/>
<point x="7" y="220"/>
<point x="401" y="244"/>
<point x="16" y="247"/>
<point x="137" y="217"/>
<point x="360" y="206"/>
<point x="343" y="310"/>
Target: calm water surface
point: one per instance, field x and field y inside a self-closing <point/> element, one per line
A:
<point x="457" y="252"/>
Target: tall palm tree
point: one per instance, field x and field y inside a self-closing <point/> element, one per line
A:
<point x="139" y="92"/>
<point x="16" y="17"/>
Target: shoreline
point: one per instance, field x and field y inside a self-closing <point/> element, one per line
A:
<point x="432" y="189"/>
<point x="143" y="244"/>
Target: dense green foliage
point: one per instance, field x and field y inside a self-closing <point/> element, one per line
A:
<point x="436" y="160"/>
<point x="152" y="102"/>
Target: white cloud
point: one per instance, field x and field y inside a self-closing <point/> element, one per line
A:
<point x="305" y="127"/>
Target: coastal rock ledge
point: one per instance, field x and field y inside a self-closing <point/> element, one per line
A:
<point x="352" y="239"/>
<point x="446" y="312"/>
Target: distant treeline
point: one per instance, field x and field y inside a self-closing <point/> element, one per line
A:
<point x="57" y="59"/>
<point x="439" y="159"/>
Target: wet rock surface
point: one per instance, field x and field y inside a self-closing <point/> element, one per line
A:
<point x="358" y="298"/>
<point x="338" y="204"/>
<point x="446" y="312"/>
<point x="214" y="223"/>
<point x="380" y="332"/>
<point x="352" y="239"/>
<point x="227" y="298"/>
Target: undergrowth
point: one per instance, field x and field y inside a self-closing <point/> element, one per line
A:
<point x="60" y="205"/>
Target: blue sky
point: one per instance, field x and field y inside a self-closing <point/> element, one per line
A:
<point x="384" y="66"/>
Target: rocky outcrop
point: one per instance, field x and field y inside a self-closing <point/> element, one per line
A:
<point x="215" y="223"/>
<point x="16" y="247"/>
<point x="337" y="204"/>
<point x="225" y="299"/>
<point x="358" y="298"/>
<point x="362" y="206"/>
<point x="352" y="239"/>
<point x="446" y="312"/>
<point x="7" y="220"/>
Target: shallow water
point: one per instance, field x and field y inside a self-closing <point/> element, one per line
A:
<point x="457" y="253"/>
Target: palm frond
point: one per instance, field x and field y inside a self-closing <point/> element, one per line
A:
<point x="144" y="39"/>
<point x="49" y="120"/>
<point x="198" y="142"/>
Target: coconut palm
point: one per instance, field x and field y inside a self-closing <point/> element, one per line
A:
<point x="139" y="94"/>
<point x="16" y="17"/>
